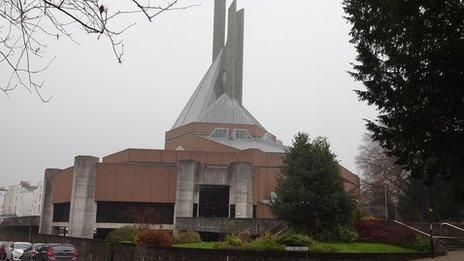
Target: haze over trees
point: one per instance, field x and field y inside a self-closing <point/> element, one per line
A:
<point x="411" y="61"/>
<point x="407" y="198"/>
<point x="310" y="194"/>
<point x="381" y="179"/>
<point x="27" y="25"/>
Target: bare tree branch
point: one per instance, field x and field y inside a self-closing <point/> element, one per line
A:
<point x="25" y="25"/>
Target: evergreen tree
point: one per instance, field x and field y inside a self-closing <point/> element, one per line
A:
<point x="310" y="194"/>
<point x="411" y="61"/>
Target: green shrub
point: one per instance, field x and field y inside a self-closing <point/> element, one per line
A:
<point x="155" y="238"/>
<point x="233" y="241"/>
<point x="264" y="243"/>
<point x="186" y="237"/>
<point x="124" y="234"/>
<point x="347" y="234"/>
<point x="321" y="248"/>
<point x="295" y="239"/>
<point x="421" y="243"/>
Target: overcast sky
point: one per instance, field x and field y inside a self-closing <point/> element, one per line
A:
<point x="297" y="56"/>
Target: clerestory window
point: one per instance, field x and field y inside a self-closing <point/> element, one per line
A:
<point x="242" y="134"/>
<point x="220" y="133"/>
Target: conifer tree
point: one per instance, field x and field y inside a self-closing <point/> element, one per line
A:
<point x="411" y="61"/>
<point x="310" y="194"/>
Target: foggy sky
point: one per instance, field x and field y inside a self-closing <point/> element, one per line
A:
<point x="297" y="56"/>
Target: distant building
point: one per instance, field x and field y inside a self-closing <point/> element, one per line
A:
<point x="37" y="198"/>
<point x="218" y="161"/>
<point x="20" y="199"/>
<point x="3" y="192"/>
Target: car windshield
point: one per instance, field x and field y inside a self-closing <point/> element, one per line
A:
<point x="63" y="248"/>
<point x="21" y="245"/>
<point x="38" y="247"/>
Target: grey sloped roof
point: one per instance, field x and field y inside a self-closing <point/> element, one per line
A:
<point x="209" y="102"/>
<point x="265" y="146"/>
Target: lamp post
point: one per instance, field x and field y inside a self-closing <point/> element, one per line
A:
<point x="432" y="252"/>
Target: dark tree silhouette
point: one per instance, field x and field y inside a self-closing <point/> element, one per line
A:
<point x="411" y="61"/>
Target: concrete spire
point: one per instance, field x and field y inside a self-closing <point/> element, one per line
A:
<point x="219" y="27"/>
<point x="230" y="51"/>
<point x="240" y="20"/>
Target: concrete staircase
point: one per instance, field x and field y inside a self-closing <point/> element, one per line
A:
<point x="453" y="243"/>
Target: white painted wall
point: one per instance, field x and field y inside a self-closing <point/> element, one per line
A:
<point x="2" y="199"/>
<point x="22" y="201"/>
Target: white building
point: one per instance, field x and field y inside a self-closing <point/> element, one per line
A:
<point x="37" y="200"/>
<point x="3" y="192"/>
<point x="23" y="199"/>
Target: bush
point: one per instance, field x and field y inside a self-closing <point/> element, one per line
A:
<point x="372" y="230"/>
<point x="295" y="239"/>
<point x="264" y="243"/>
<point x="233" y="240"/>
<point x="321" y="248"/>
<point x="245" y="236"/>
<point x="186" y="237"/>
<point x="421" y="243"/>
<point x="155" y="238"/>
<point x="347" y="234"/>
<point x="123" y="234"/>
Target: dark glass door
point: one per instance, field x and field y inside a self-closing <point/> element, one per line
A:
<point x="214" y="201"/>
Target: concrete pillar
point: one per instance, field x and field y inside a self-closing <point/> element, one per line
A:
<point x="243" y="177"/>
<point x="46" y="217"/>
<point x="219" y="27"/>
<point x="230" y="51"/>
<point x="240" y="25"/>
<point x="83" y="211"/>
<point x="186" y="181"/>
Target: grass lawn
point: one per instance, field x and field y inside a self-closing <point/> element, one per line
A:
<point x="201" y="245"/>
<point x="365" y="248"/>
<point x="338" y="247"/>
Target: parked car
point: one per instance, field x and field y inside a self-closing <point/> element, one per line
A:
<point x="6" y="251"/>
<point x="3" y="246"/>
<point x="57" y="252"/>
<point x="30" y="253"/>
<point x="15" y="250"/>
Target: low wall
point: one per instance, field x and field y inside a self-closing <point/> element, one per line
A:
<point x="96" y="250"/>
<point x="226" y="225"/>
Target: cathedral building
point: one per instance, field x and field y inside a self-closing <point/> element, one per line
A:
<point x="218" y="162"/>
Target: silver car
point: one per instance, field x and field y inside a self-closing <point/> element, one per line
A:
<point x="15" y="250"/>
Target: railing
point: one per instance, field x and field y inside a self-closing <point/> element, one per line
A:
<point x="449" y="225"/>
<point x="412" y="228"/>
<point x="278" y="229"/>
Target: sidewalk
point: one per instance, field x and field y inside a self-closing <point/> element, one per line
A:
<point x="452" y="256"/>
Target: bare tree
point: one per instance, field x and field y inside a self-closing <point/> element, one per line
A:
<point x="382" y="179"/>
<point x="26" y="25"/>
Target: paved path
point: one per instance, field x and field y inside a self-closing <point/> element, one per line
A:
<point x="452" y="256"/>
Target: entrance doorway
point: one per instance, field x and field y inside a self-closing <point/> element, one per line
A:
<point x="214" y="201"/>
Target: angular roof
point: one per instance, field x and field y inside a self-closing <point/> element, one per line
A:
<point x="210" y="103"/>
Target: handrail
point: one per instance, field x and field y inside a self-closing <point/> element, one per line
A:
<point x="450" y="225"/>
<point x="412" y="228"/>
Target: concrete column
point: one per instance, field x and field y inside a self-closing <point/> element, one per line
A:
<point x="46" y="217"/>
<point x="219" y="27"/>
<point x="230" y="51"/>
<point x="240" y="25"/>
<point x="186" y="181"/>
<point x="243" y="177"/>
<point x="83" y="211"/>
